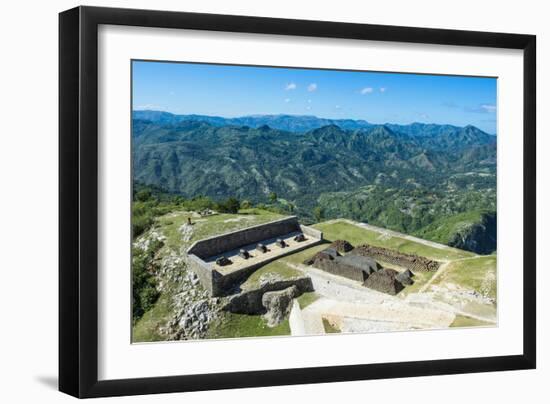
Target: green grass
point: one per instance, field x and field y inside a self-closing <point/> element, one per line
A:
<point x="301" y="256"/>
<point x="442" y="229"/>
<point x="463" y="321"/>
<point x="477" y="274"/>
<point x="307" y="298"/>
<point x="277" y="268"/>
<point x="243" y="325"/>
<point x="357" y="235"/>
<point x="208" y="226"/>
<point x="420" y="279"/>
<point x="329" y="328"/>
<point x="146" y="328"/>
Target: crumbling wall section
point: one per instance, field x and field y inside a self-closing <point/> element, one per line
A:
<point x="250" y="301"/>
<point x="409" y="261"/>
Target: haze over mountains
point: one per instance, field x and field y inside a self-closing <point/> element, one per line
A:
<point x="291" y="123"/>
<point x="405" y="177"/>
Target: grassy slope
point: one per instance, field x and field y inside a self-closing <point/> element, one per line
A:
<point x="443" y="228"/>
<point x="478" y="274"/>
<point x="466" y="269"/>
<point x="360" y="235"/>
<point x="146" y="329"/>
<point x="234" y="325"/>
<point x="210" y="225"/>
<point x="242" y="325"/>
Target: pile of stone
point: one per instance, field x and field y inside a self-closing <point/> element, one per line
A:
<point x="192" y="310"/>
<point x="342" y="246"/>
<point x="409" y="261"/>
<point x="328" y="254"/>
<point x="385" y="281"/>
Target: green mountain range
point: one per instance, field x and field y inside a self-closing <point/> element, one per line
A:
<point x="437" y="181"/>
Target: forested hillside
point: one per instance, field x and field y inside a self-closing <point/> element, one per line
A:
<point x="437" y="181"/>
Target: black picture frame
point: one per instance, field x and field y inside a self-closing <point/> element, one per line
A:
<point x="78" y="201"/>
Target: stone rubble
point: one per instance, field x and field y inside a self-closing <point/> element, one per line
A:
<point x="192" y="308"/>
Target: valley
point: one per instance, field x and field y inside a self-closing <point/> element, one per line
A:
<point x="437" y="182"/>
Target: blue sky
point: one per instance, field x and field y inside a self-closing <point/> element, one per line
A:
<point x="230" y="91"/>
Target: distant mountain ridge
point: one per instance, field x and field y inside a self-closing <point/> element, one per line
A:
<point x="293" y="123"/>
<point x="389" y="175"/>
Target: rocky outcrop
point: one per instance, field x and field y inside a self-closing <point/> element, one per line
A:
<point x="192" y="310"/>
<point x="278" y="304"/>
<point x="409" y="261"/>
<point x="480" y="237"/>
<point x="251" y="301"/>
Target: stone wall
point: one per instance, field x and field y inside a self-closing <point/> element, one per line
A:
<point x="310" y="231"/>
<point x="336" y="267"/>
<point x="357" y="268"/>
<point x="221" y="285"/>
<point x="202" y="270"/>
<point x="409" y="261"/>
<point x="230" y="241"/>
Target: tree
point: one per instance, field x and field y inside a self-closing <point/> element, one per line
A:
<point x="273" y="197"/>
<point x="143" y="195"/>
<point x="246" y="204"/>
<point x="230" y="205"/>
<point x="291" y="207"/>
<point x="318" y="213"/>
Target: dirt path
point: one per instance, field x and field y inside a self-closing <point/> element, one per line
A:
<point x="441" y="270"/>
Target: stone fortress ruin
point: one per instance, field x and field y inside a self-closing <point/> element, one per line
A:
<point x="222" y="261"/>
<point x="359" y="264"/>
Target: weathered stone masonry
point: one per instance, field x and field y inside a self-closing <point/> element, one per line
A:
<point x="409" y="261"/>
<point x="219" y="284"/>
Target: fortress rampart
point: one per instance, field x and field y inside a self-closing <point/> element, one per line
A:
<point x="221" y="280"/>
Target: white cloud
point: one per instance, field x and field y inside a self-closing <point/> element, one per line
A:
<point x="382" y="89"/>
<point x="366" y="90"/>
<point x="309" y="101"/>
<point x="287" y="100"/>
<point x="482" y="109"/>
<point x="308" y="107"/>
<point x="290" y="86"/>
<point x="154" y="107"/>
<point x="489" y="107"/>
<point x="312" y="87"/>
<point x="337" y="106"/>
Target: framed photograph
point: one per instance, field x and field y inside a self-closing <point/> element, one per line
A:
<point x="251" y="201"/>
